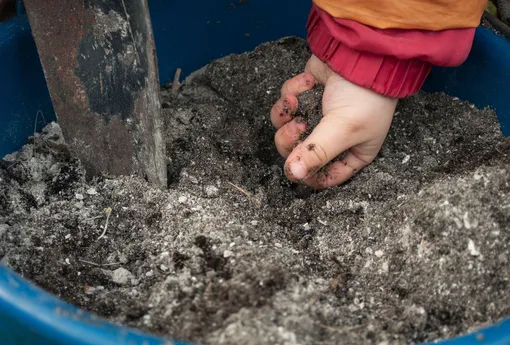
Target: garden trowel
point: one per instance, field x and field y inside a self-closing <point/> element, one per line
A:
<point x="100" y="65"/>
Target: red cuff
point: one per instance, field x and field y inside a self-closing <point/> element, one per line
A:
<point x="391" y="62"/>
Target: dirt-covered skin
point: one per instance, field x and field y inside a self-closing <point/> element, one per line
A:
<point x="414" y="248"/>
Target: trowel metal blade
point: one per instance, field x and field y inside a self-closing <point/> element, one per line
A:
<point x="99" y="59"/>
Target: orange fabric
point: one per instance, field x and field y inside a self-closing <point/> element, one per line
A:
<point x="431" y="15"/>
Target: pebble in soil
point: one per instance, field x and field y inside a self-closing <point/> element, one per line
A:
<point x="414" y="248"/>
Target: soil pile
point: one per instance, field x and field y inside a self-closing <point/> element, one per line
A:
<point x="414" y="248"/>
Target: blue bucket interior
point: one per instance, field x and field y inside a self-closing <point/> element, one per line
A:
<point x="190" y="34"/>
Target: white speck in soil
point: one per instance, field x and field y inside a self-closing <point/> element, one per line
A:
<point x="473" y="251"/>
<point x="92" y="191"/>
<point x="211" y="191"/>
<point x="121" y="276"/>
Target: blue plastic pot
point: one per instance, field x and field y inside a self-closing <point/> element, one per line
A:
<point x="189" y="34"/>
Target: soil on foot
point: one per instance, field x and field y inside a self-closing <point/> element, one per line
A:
<point x="414" y="248"/>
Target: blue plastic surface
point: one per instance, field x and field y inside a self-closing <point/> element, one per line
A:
<point x="484" y="79"/>
<point x="30" y="316"/>
<point x="189" y="38"/>
<point x="23" y="91"/>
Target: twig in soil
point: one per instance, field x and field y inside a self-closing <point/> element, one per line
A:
<point x="108" y="212"/>
<point x="248" y="195"/>
<point x="240" y="189"/>
<point x="175" y="84"/>
<point x="89" y="262"/>
<point x="339" y="330"/>
<point x="93" y="218"/>
<point x="37" y="118"/>
<point x="501" y="153"/>
<point x="113" y="264"/>
<point x="99" y="265"/>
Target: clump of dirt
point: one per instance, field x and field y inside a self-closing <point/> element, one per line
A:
<point x="310" y="107"/>
<point x="414" y="248"/>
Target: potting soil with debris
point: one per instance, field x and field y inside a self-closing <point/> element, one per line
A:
<point x="414" y="248"/>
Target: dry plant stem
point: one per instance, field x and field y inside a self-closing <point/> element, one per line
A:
<point x="108" y="212"/>
<point x="98" y="265"/>
<point x="175" y="84"/>
<point x="248" y="195"/>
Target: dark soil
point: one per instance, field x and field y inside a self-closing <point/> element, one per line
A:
<point x="414" y="248"/>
